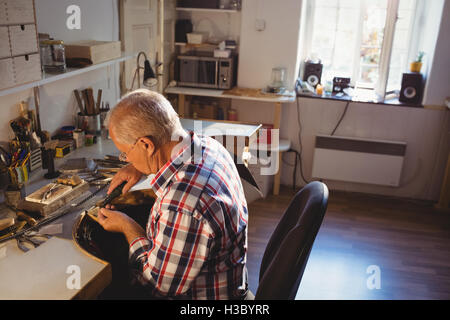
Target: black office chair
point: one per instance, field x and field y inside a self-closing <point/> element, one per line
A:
<point x="287" y="252"/>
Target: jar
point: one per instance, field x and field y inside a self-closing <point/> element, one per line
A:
<point x="53" y="57"/>
<point x="232" y="115"/>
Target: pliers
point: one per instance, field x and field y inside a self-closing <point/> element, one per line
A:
<point x="31" y="239"/>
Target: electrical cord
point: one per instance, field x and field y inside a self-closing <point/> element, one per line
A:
<point x="341" y="118"/>
<point x="299" y="153"/>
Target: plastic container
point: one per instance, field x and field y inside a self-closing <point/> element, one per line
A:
<point x="196" y="38"/>
<point x="90" y="124"/>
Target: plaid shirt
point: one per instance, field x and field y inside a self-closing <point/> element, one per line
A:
<point x="196" y="242"/>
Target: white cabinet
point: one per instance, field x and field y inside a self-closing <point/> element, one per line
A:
<point x="18" y="12"/>
<point x="19" y="52"/>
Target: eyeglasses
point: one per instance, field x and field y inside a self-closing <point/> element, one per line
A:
<point x="123" y="155"/>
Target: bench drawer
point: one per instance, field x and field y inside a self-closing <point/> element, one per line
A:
<point x="27" y="68"/>
<point x="23" y="39"/>
<point x="19" y="11"/>
<point x="3" y="16"/>
<point x="7" y="73"/>
<point x="5" y="50"/>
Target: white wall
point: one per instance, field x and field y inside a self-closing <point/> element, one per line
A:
<point x="276" y="46"/>
<point x="425" y="132"/>
<point x="99" y="21"/>
<point x="438" y="82"/>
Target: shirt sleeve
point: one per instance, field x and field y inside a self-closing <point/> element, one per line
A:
<point x="171" y="260"/>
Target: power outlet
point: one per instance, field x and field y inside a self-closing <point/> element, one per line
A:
<point x="260" y="25"/>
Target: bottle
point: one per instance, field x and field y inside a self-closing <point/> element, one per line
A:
<point x="319" y="89"/>
<point x="220" y="114"/>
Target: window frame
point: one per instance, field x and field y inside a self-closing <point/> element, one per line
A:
<point x="386" y="47"/>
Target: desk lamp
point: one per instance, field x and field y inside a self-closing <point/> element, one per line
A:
<point x="150" y="79"/>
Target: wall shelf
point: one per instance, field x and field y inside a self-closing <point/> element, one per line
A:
<point x="207" y="10"/>
<point x="49" y="78"/>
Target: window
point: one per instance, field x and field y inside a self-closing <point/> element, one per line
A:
<point x="366" y="40"/>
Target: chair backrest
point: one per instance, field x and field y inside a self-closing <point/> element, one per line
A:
<point x="288" y="249"/>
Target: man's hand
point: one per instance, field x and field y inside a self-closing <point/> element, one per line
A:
<point x="116" y="221"/>
<point x="127" y="173"/>
<point x="112" y="220"/>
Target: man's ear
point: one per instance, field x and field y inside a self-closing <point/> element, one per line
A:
<point x="148" y="144"/>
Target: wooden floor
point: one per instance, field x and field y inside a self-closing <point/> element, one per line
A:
<point x="407" y="240"/>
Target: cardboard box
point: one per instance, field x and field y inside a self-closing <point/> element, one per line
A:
<point x="62" y="148"/>
<point x="95" y="51"/>
<point x="204" y="111"/>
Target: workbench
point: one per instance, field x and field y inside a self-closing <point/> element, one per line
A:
<point x="43" y="272"/>
<point x="46" y="272"/>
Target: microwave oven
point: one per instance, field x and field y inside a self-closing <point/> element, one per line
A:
<point x="206" y="72"/>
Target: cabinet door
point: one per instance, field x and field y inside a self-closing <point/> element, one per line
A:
<point x="139" y="32"/>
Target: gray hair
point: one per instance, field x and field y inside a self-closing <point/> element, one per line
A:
<point x="144" y="113"/>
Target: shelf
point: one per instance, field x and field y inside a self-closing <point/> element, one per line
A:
<point x="49" y="78"/>
<point x="201" y="45"/>
<point x="223" y="94"/>
<point x="207" y="10"/>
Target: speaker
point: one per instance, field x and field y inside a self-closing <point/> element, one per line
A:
<point x="312" y="73"/>
<point x="339" y="84"/>
<point x="182" y="27"/>
<point x="211" y="4"/>
<point x="412" y="88"/>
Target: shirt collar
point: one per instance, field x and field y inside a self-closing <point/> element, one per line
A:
<point x="188" y="150"/>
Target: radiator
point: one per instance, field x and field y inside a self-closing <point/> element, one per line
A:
<point x="358" y="160"/>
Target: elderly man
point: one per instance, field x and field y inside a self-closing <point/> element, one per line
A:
<point x="195" y="242"/>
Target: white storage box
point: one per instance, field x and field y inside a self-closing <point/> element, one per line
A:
<point x="27" y="68"/>
<point x="19" y="11"/>
<point x="7" y="73"/>
<point x="23" y="39"/>
<point x="222" y="53"/>
<point x="196" y="38"/>
<point x="5" y="50"/>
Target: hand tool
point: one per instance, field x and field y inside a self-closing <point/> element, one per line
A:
<point x="32" y="238"/>
<point x="48" y="193"/>
<point x="25" y="217"/>
<point x="18" y="230"/>
<point x="79" y="102"/>
<point x="99" y="99"/>
<point x="90" y="94"/>
<point x="38" y="118"/>
<point x="86" y="102"/>
<point x="6" y="223"/>
<point x="114" y="194"/>
<point x="9" y="232"/>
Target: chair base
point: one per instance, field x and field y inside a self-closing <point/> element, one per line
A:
<point x="249" y="296"/>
